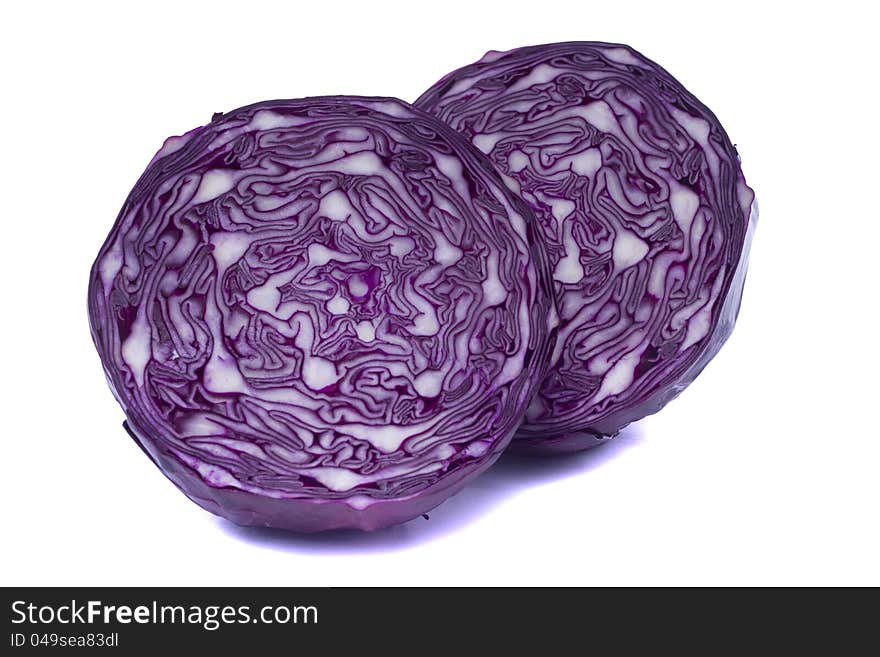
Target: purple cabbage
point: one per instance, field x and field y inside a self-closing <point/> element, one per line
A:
<point x="645" y="213"/>
<point x="322" y="313"/>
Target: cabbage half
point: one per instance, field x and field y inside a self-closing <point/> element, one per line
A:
<point x="322" y="313"/>
<point x="644" y="210"/>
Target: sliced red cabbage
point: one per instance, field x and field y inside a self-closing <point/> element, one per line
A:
<point x="322" y="313"/>
<point x="645" y="212"/>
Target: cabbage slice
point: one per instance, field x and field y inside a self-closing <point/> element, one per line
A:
<point x="322" y="313"/>
<point x="645" y="212"/>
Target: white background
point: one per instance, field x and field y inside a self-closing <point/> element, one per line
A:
<point x="765" y="471"/>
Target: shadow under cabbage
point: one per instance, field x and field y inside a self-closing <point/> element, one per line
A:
<point x="509" y="476"/>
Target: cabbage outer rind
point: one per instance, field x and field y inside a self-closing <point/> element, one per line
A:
<point x="645" y="211"/>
